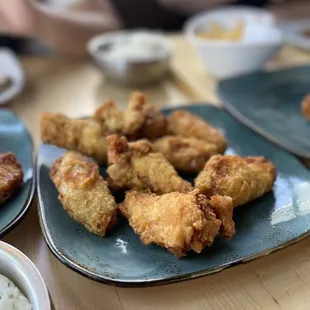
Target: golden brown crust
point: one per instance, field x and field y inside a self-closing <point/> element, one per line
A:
<point x="242" y="178"/>
<point x="136" y="166"/>
<point x="305" y="107"/>
<point x="11" y="176"/>
<point x="154" y="122"/>
<point x="187" y="124"/>
<point x="178" y="221"/>
<point x="83" y="192"/>
<point x="83" y="135"/>
<point x="185" y="154"/>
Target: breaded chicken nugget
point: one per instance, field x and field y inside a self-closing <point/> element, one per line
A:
<point x="178" y="221"/>
<point x="187" y="124"/>
<point x="11" y="176"/>
<point x="241" y="178"/>
<point x="136" y="166"/>
<point x="83" y="192"/>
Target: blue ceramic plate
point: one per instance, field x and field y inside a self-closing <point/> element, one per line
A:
<point x="264" y="225"/>
<point x="269" y="103"/>
<point x="15" y="138"/>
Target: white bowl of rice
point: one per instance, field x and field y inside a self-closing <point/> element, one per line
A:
<point x="21" y="284"/>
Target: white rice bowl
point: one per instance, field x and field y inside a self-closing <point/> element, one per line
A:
<point x="11" y="298"/>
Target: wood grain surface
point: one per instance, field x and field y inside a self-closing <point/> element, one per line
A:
<point x="278" y="281"/>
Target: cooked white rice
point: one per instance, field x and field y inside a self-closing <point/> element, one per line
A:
<point x="11" y="297"/>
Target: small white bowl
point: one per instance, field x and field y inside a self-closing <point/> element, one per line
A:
<point x="18" y="268"/>
<point x="133" y="72"/>
<point x="224" y="59"/>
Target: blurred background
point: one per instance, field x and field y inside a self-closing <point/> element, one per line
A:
<point x="64" y="26"/>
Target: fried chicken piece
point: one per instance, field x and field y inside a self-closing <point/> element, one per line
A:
<point x="116" y="121"/>
<point x="83" y="193"/>
<point x="83" y="135"/>
<point x="139" y="120"/>
<point x="187" y="124"/>
<point x="241" y="178"/>
<point x="11" y="176"/>
<point x="136" y="166"/>
<point x="223" y="207"/>
<point x="305" y="107"/>
<point x="179" y="222"/>
<point x="185" y="154"/>
<point x="155" y="123"/>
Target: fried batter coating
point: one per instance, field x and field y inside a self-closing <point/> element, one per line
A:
<point x="241" y="178"/>
<point x="83" y="135"/>
<point x="223" y="207"/>
<point x="136" y="166"/>
<point x="139" y="120"/>
<point x="155" y="124"/>
<point x="179" y="222"/>
<point x="83" y="192"/>
<point x="11" y="176"/>
<point x="118" y="122"/>
<point x="305" y="107"/>
<point x="187" y="124"/>
<point x="185" y="154"/>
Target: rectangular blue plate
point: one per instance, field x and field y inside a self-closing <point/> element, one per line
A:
<point x="15" y="138"/>
<point x="267" y="224"/>
<point x="269" y="103"/>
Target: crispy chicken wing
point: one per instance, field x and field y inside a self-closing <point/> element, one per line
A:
<point x="136" y="166"/>
<point x="305" y="107"/>
<point x="178" y="221"/>
<point x="83" y="135"/>
<point x="155" y="124"/>
<point x="185" y="154"/>
<point x="186" y="124"/>
<point x="242" y="178"/>
<point x="83" y="192"/>
<point x="11" y="176"/>
<point x="139" y="120"/>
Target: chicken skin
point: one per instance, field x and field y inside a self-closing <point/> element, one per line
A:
<point x="83" y="135"/>
<point x="179" y="222"/>
<point x="185" y="154"/>
<point x="241" y="178"/>
<point x="83" y="192"/>
<point x="135" y="166"/>
<point x="186" y="124"/>
<point x="11" y="176"/>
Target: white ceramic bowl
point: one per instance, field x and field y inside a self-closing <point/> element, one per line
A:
<point x="137" y="72"/>
<point x="18" y="268"/>
<point x="223" y="59"/>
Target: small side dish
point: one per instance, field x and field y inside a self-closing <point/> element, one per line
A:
<point x="143" y="151"/>
<point x="11" y="176"/>
<point x="11" y="297"/>
<point x="305" y="107"/>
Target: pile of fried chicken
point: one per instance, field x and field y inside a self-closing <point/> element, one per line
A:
<point x="143" y="151"/>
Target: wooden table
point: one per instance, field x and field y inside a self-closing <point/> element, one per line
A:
<point x="278" y="281"/>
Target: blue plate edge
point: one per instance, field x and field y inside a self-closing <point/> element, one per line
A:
<point x="21" y="215"/>
<point x="250" y="124"/>
<point x="149" y="283"/>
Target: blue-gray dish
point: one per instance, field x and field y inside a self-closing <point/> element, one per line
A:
<point x="274" y="221"/>
<point x="15" y="138"/>
<point x="269" y="103"/>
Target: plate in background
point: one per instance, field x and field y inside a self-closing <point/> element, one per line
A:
<point x="269" y="103"/>
<point x="267" y="224"/>
<point x="293" y="33"/>
<point x="10" y="67"/>
<point x="15" y="138"/>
